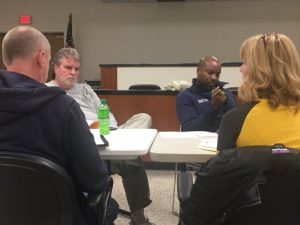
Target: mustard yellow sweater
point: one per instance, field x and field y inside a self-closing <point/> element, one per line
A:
<point x="257" y="124"/>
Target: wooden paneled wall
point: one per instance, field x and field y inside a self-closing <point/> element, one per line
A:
<point x="161" y="107"/>
<point x="109" y="78"/>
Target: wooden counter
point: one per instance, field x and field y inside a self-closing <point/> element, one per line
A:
<point x="160" y="105"/>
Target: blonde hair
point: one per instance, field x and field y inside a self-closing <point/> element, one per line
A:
<point x="273" y="71"/>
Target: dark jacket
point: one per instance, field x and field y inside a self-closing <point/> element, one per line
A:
<point x="229" y="182"/>
<point x="45" y="121"/>
<point x="194" y="111"/>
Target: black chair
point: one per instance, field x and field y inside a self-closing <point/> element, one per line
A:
<point x="184" y="187"/>
<point x="99" y="202"/>
<point x="144" y="87"/>
<point x="250" y="185"/>
<point x="183" y="179"/>
<point x="36" y="191"/>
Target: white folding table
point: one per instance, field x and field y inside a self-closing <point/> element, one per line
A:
<point x="126" y="143"/>
<point x="182" y="147"/>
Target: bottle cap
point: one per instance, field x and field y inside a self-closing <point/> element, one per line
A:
<point x="103" y="101"/>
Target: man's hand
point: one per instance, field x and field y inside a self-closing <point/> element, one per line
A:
<point x="218" y="97"/>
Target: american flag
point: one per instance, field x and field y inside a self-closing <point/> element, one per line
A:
<point x="69" y="38"/>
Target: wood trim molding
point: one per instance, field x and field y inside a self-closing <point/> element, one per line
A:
<point x="109" y="78"/>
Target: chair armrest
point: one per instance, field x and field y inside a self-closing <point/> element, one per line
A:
<point x="99" y="201"/>
<point x="184" y="185"/>
<point x="94" y="200"/>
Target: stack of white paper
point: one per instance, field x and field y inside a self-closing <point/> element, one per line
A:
<point x="208" y="144"/>
<point x="97" y="137"/>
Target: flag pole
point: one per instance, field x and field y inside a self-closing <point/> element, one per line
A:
<point x="69" y="37"/>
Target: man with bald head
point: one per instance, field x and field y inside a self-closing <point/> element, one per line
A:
<point x="43" y="120"/>
<point x="201" y="106"/>
<point x="27" y="51"/>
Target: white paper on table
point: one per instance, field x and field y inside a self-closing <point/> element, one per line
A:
<point x="208" y="144"/>
<point x="97" y="137"/>
<point x="189" y="134"/>
<point x="89" y="122"/>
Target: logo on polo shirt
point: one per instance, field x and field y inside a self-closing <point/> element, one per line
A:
<point x="202" y="100"/>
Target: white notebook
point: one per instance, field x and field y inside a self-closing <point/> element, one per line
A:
<point x="99" y="139"/>
<point x="209" y="144"/>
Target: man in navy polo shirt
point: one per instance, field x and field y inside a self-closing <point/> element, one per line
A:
<point x="201" y="106"/>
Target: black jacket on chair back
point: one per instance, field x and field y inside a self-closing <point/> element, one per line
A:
<point x="249" y="185"/>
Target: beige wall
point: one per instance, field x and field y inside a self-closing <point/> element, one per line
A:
<point x="180" y="32"/>
<point x="164" y="76"/>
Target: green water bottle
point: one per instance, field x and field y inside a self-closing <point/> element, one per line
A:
<point x="103" y="117"/>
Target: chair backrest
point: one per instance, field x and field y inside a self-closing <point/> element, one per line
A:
<point x="99" y="202"/>
<point x="280" y="194"/>
<point x="144" y="87"/>
<point x="249" y="185"/>
<point x="34" y="191"/>
<point x="102" y="206"/>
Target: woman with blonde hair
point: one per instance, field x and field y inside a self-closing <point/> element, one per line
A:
<point x="245" y="184"/>
<point x="271" y="94"/>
